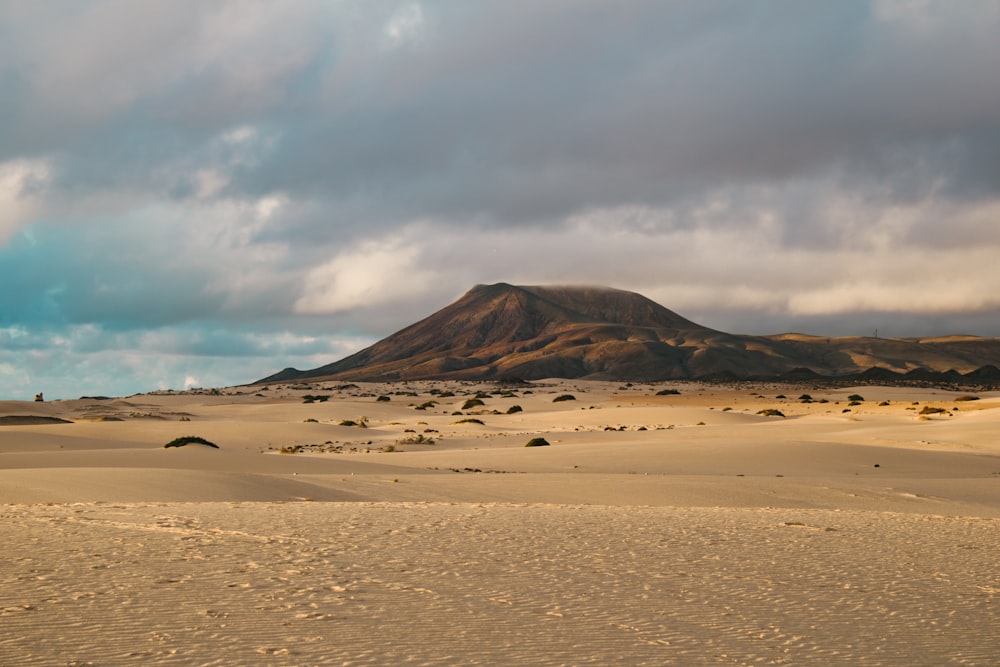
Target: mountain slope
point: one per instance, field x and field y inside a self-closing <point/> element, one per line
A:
<point x="501" y="330"/>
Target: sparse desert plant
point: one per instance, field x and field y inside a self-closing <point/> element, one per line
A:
<point x="537" y="442"/>
<point x="469" y="420"/>
<point x="853" y="403"/>
<point x="806" y="398"/>
<point x="310" y="420"/>
<point x="726" y="409"/>
<point x="472" y="403"/>
<point x="184" y="418"/>
<point x="514" y="408"/>
<point x="564" y="397"/>
<point x="667" y="392"/>
<point x="771" y="412"/>
<point x="382" y="399"/>
<point x="425" y="405"/>
<point x="312" y="398"/>
<point x="929" y="410"/>
<point x="967" y="398"/>
<point x="360" y="423"/>
<point x="856" y="397"/>
<point x="417" y="439"/>
<point x="781" y="396"/>
<point x="190" y="439"/>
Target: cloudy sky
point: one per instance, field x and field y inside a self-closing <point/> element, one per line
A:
<point x="201" y="193"/>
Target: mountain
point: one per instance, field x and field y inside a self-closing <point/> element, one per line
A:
<point x="506" y="331"/>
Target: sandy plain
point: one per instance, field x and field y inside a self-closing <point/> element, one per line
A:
<point x="655" y="529"/>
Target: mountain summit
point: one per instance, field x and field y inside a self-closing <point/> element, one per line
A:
<point x="533" y="332"/>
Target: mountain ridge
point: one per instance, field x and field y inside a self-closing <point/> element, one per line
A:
<point x="591" y="332"/>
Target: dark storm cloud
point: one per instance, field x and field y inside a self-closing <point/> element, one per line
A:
<point x="527" y="112"/>
<point x="646" y="104"/>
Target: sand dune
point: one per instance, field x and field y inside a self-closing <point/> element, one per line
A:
<point x="671" y="529"/>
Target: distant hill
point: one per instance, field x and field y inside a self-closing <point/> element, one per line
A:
<point x="506" y="331"/>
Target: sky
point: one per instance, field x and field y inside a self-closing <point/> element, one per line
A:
<point x="201" y="193"/>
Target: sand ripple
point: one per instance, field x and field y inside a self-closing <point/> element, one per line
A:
<point x="466" y="584"/>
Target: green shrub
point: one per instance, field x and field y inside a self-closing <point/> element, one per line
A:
<point x="564" y="397"/>
<point x="771" y="412"/>
<point x="469" y="420"/>
<point x="856" y="397"/>
<point x="189" y="439"/>
<point x="537" y="442"/>
<point x="472" y="403"/>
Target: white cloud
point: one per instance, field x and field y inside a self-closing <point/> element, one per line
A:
<point x="374" y="273"/>
<point x="209" y="182"/>
<point x="406" y="26"/>
<point x="22" y="183"/>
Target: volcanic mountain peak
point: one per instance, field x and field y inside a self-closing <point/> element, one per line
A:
<point x="547" y="308"/>
<point x="535" y="332"/>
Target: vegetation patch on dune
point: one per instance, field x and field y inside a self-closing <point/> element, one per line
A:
<point x="537" y="442"/>
<point x="188" y="440"/>
<point x="30" y="420"/>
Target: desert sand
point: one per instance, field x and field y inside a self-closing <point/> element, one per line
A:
<point x="654" y="529"/>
